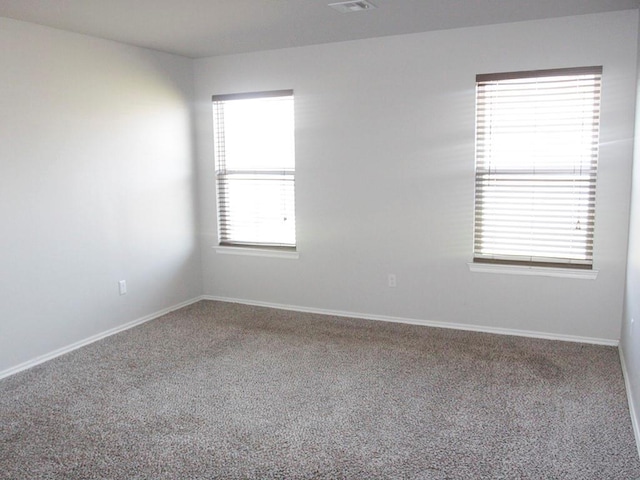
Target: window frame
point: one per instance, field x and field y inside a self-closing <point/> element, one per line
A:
<point x="531" y="263"/>
<point x="283" y="175"/>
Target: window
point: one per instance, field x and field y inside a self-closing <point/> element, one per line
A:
<point x="255" y="169"/>
<point x="536" y="158"/>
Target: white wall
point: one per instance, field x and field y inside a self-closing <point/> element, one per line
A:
<point x="97" y="182"/>
<point x="96" y="185"/>
<point x="630" y="342"/>
<point x="385" y="162"/>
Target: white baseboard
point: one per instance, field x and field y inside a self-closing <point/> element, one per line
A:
<point x="635" y="421"/>
<point x="61" y="351"/>
<point x="456" y="326"/>
<point x="426" y="323"/>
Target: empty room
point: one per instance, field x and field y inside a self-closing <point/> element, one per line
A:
<point x="309" y="239"/>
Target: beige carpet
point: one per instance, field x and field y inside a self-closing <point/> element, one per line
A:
<point x="226" y="391"/>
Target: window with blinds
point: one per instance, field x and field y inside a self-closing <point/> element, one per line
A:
<point x="537" y="137"/>
<point x="255" y="169"/>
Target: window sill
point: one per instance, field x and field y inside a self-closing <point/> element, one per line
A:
<point x="256" y="252"/>
<point x="537" y="271"/>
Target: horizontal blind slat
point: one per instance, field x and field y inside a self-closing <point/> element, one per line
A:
<point x="255" y="171"/>
<point x="536" y="164"/>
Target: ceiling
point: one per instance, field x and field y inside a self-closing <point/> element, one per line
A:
<point x="202" y="28"/>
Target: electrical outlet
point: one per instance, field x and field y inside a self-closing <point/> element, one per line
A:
<point x="392" y="280"/>
<point x="122" y="285"/>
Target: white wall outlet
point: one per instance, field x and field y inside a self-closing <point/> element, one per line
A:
<point x="392" y="280"/>
<point x="122" y="285"/>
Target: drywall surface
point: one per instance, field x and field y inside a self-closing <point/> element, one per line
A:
<point x="97" y="186"/>
<point x="385" y="176"/>
<point x="630" y="341"/>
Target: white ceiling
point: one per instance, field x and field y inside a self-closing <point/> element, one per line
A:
<point x="201" y="28"/>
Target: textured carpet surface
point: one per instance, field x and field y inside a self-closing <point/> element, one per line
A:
<point x="218" y="390"/>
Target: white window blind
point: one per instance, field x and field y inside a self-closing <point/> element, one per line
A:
<point x="537" y="137"/>
<point x="255" y="168"/>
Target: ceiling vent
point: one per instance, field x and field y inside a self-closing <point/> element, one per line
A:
<point x="355" y="6"/>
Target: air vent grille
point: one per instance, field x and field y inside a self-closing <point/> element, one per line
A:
<point x="354" y="6"/>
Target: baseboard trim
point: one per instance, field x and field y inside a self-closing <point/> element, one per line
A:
<point x="426" y="323"/>
<point x="339" y="313"/>
<point x="635" y="421"/>
<point x="74" y="346"/>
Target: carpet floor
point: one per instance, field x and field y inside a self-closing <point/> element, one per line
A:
<point x="224" y="391"/>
